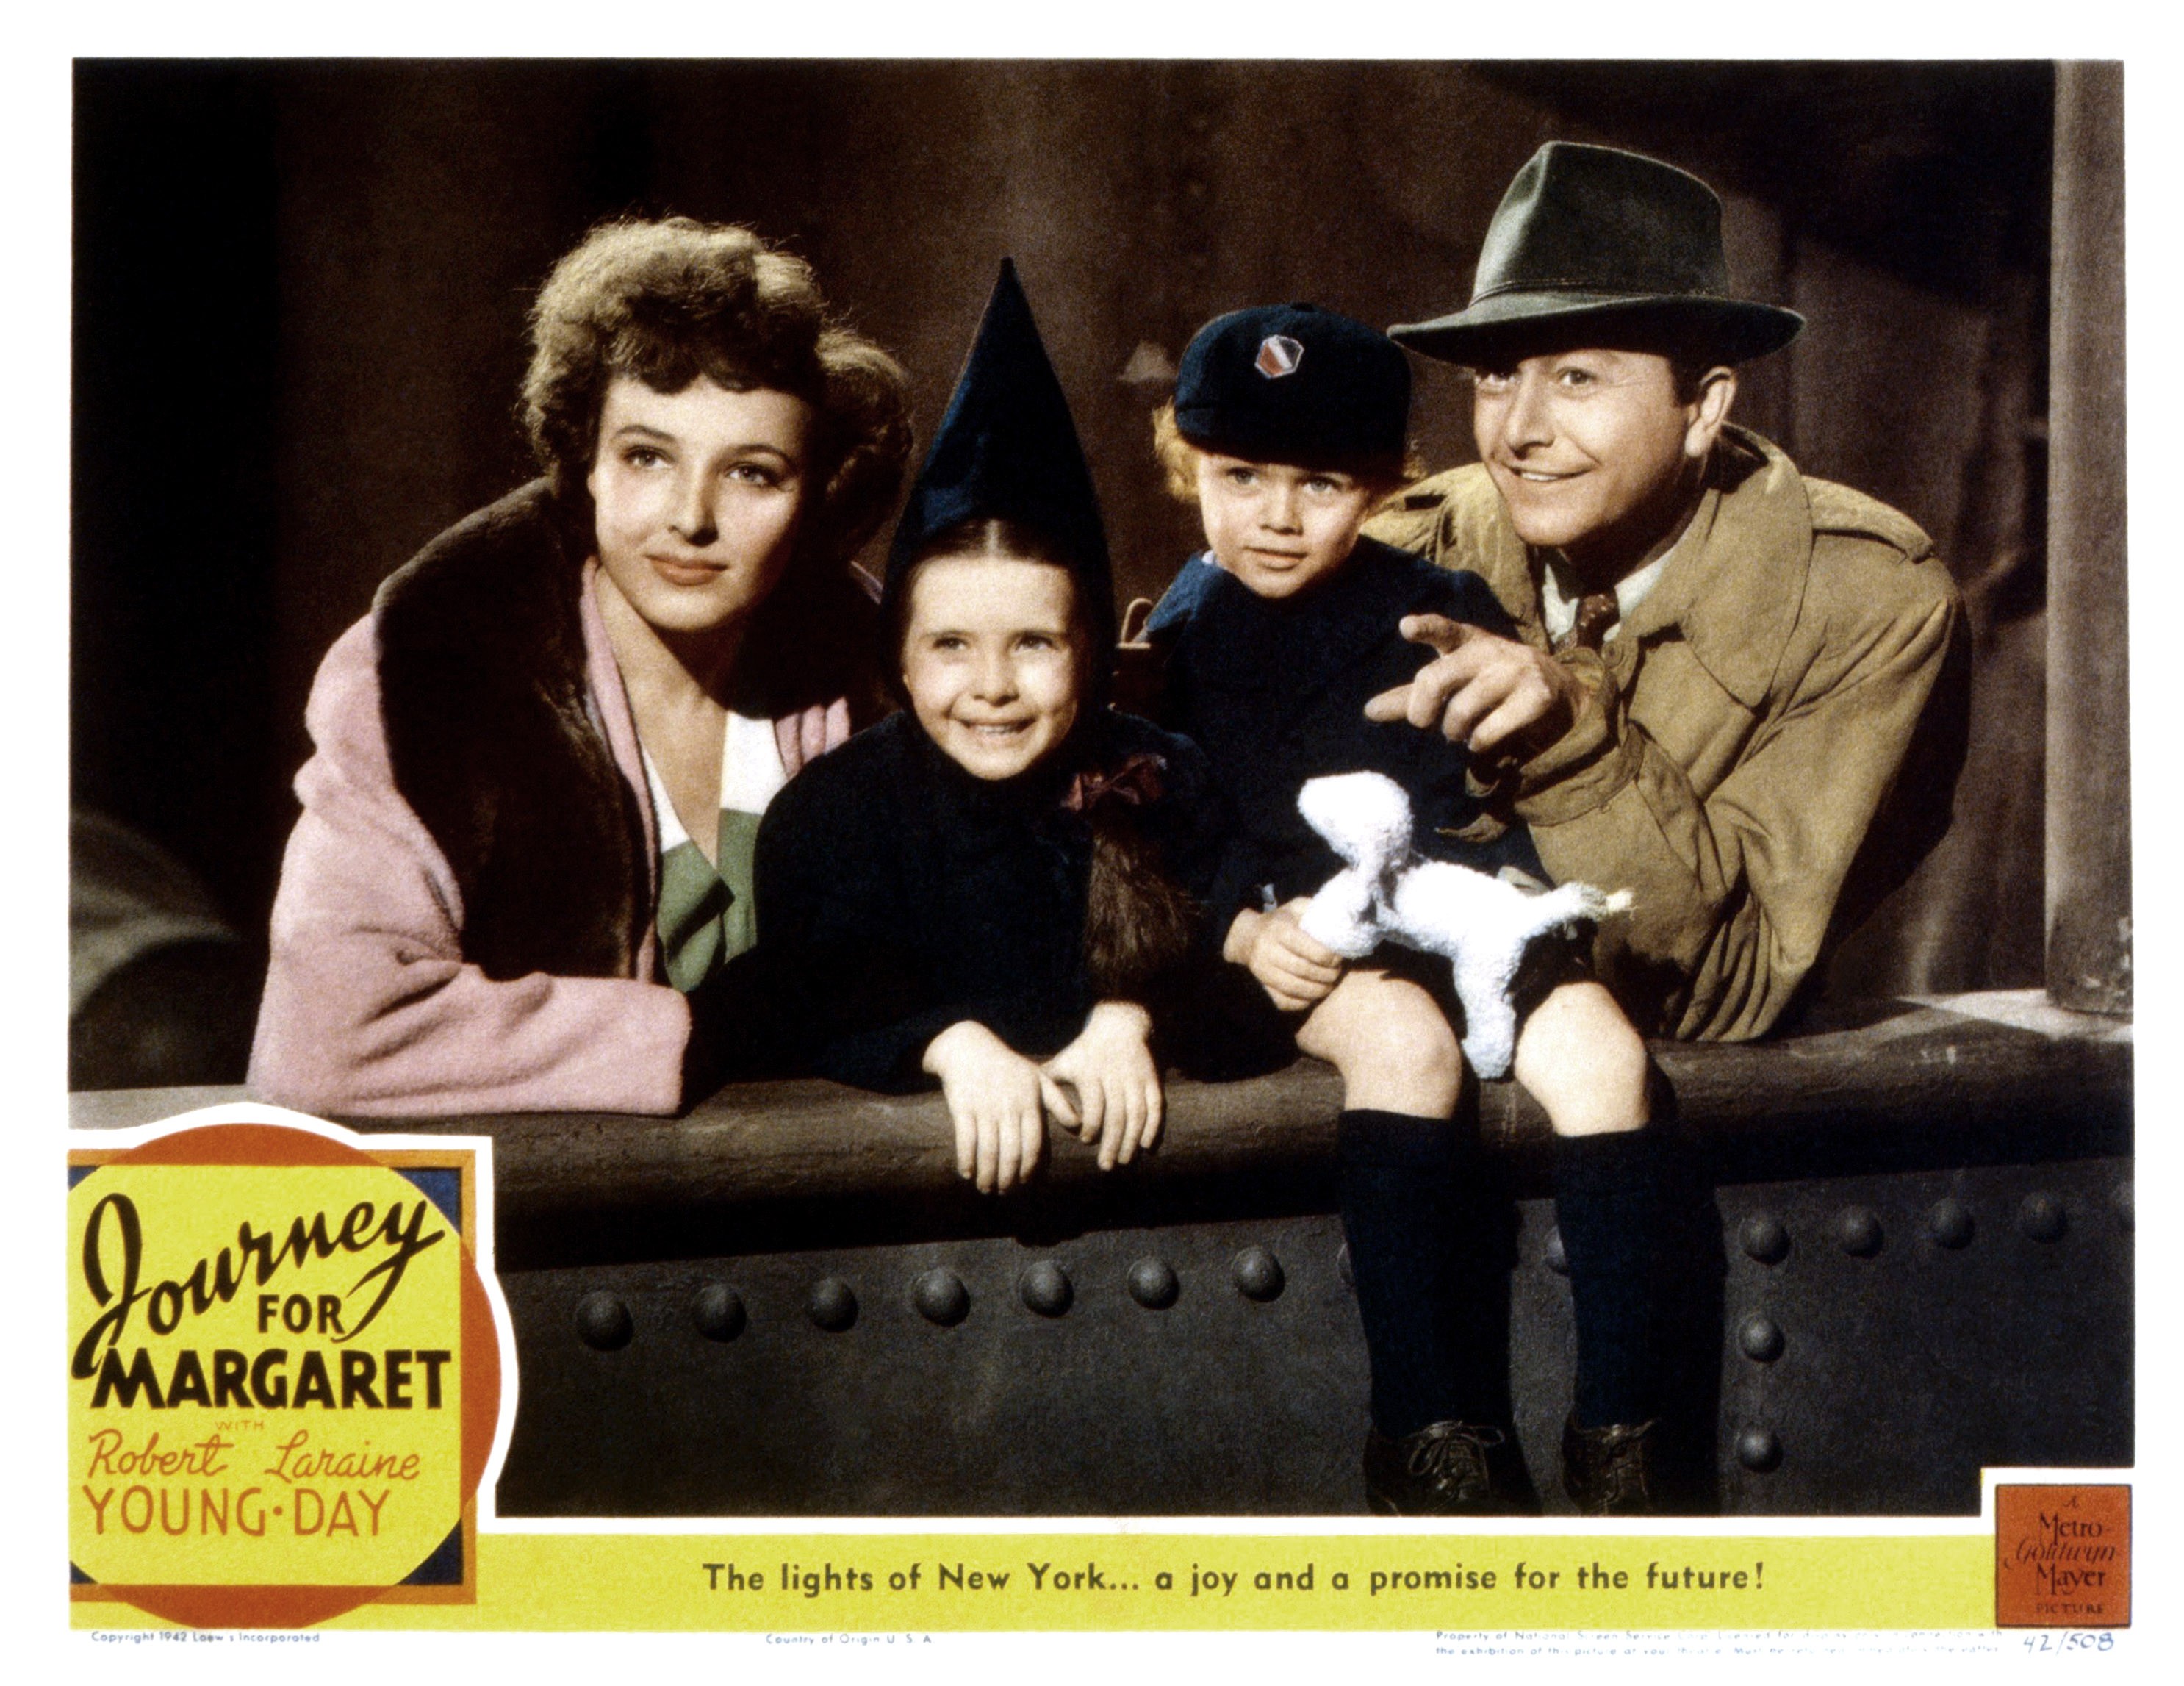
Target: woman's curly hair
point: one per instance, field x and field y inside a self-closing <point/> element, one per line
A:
<point x="669" y="301"/>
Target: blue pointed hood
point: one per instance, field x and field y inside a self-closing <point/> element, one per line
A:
<point x="1007" y="448"/>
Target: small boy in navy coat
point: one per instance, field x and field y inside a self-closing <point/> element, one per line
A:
<point x="1287" y="428"/>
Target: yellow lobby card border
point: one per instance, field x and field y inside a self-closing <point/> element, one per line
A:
<point x="862" y="1584"/>
<point x="1828" y="1574"/>
<point x="1030" y="1576"/>
<point x="1325" y="1575"/>
<point x="472" y="1158"/>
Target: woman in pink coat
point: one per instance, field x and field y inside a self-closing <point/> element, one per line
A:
<point x="525" y="853"/>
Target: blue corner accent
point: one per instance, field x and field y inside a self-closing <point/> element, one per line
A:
<point x="444" y="1188"/>
<point x="78" y="1173"/>
<point x="444" y="1567"/>
<point x="78" y="1578"/>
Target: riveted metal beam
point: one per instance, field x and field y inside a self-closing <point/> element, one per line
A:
<point x="1901" y="1251"/>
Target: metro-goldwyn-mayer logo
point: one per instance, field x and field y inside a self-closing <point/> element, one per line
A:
<point x="267" y="1373"/>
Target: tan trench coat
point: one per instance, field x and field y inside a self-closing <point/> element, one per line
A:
<point x="1747" y="724"/>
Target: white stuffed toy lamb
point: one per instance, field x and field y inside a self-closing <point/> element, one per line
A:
<point x="1388" y="891"/>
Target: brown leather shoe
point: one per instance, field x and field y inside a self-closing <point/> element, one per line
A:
<point x="1446" y="1469"/>
<point x="1609" y="1472"/>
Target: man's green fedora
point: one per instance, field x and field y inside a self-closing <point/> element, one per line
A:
<point x="1589" y="240"/>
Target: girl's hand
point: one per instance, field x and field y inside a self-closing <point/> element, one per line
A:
<point x="1295" y="970"/>
<point x="1111" y="1067"/>
<point x="998" y="1101"/>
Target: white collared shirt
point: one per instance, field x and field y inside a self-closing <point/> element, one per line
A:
<point x="1560" y="611"/>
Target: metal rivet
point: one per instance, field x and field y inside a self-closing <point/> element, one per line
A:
<point x="833" y="1305"/>
<point x="941" y="1297"/>
<point x="1858" y="1229"/>
<point x="1554" y="1257"/>
<point x="2042" y="1218"/>
<point x="1763" y="1237"/>
<point x="1258" y="1274"/>
<point x="1761" y="1339"/>
<point x="602" y="1321"/>
<point x="1758" y="1451"/>
<point x="1343" y="1269"/>
<point x="2125" y="1213"/>
<point x="1949" y="1224"/>
<point x="1046" y="1288"/>
<point x="1153" y="1285"/>
<point x="718" y="1312"/>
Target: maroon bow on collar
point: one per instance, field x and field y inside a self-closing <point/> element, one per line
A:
<point x="1136" y="781"/>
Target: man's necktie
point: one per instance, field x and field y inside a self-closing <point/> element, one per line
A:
<point x="1597" y="611"/>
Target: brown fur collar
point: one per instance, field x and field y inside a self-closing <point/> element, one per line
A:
<point x="493" y="744"/>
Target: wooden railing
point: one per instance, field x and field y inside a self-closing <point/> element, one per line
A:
<point x="1975" y="1078"/>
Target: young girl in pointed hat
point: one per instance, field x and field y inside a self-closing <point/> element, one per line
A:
<point x="1001" y="888"/>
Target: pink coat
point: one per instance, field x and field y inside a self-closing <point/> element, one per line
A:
<point x="371" y="1008"/>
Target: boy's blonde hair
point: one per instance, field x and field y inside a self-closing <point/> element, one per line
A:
<point x="1179" y="461"/>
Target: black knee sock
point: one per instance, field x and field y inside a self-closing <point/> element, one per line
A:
<point x="1609" y="1206"/>
<point x="1410" y="1209"/>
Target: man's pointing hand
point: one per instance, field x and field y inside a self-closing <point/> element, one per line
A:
<point x="1485" y="692"/>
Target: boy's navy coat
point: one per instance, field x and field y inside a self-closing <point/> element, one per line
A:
<point x="1274" y="689"/>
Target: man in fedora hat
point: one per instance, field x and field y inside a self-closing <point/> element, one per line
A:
<point x="1736" y="691"/>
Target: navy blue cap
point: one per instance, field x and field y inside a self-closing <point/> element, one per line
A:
<point x="1007" y="449"/>
<point x="1293" y="383"/>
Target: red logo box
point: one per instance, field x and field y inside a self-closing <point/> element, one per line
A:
<point x="2062" y="1556"/>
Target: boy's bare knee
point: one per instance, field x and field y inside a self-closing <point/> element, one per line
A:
<point x="1580" y="1060"/>
<point x="1392" y="1044"/>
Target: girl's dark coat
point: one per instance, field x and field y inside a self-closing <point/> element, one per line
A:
<point x="899" y="896"/>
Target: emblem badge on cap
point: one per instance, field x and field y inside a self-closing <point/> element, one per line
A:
<point x="1278" y="355"/>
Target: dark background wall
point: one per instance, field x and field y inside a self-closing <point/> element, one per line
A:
<point x="300" y="291"/>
